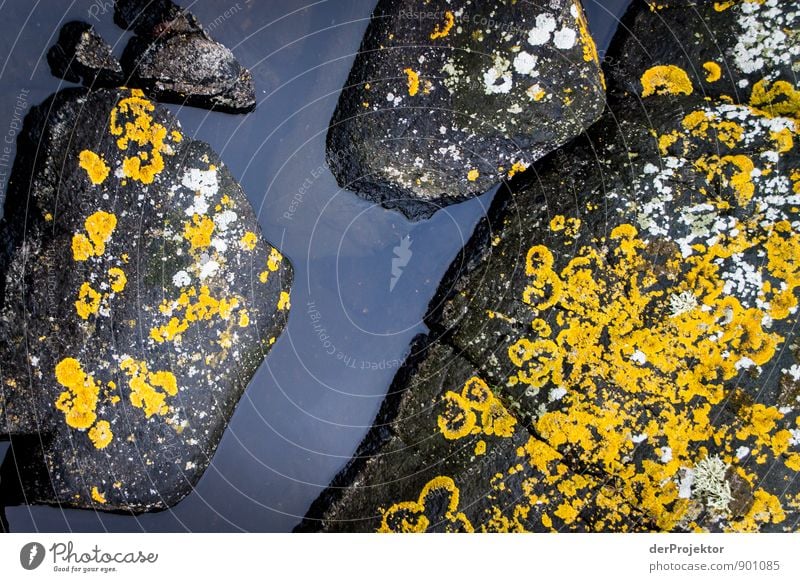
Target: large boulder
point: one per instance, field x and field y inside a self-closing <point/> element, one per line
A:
<point x="442" y="103"/>
<point x="174" y="59"/>
<point x="138" y="299"/>
<point x="630" y="315"/>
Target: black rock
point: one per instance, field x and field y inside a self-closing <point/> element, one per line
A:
<point x="633" y="308"/>
<point x="82" y="56"/>
<point x="139" y="298"/>
<point x="173" y="59"/>
<point x="145" y="16"/>
<point x="444" y="103"/>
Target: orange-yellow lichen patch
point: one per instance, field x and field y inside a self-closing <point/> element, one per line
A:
<point x="602" y="338"/>
<point x="699" y="123"/>
<point x="778" y="99"/>
<point x="95" y="166"/>
<point x="417" y="516"/>
<point x="248" y="241"/>
<point x="196" y="307"/>
<point x="722" y="6"/>
<point x="734" y="172"/>
<point x="766" y="508"/>
<point x="88" y="302"/>
<point x="284" y="301"/>
<point x="97" y="495"/>
<point x="517" y="168"/>
<point x="666" y="80"/>
<point x="412" y="81"/>
<point x="273" y="264"/>
<point x="473" y="174"/>
<point x="457" y="420"/>
<point x="99" y="228"/>
<point x="713" y="71"/>
<point x="198" y="232"/>
<point x="460" y="415"/>
<point x="784" y="140"/>
<point x="149" y="390"/>
<point x="132" y="122"/>
<point x="100" y="434"/>
<point x="443" y="30"/>
<point x="587" y="41"/>
<point x="274" y="260"/>
<point x="117" y="279"/>
<point x="79" y="401"/>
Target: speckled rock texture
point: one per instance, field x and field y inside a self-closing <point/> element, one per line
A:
<point x="139" y="298"/>
<point x="445" y="99"/>
<point x="173" y="59"/>
<point x="616" y="348"/>
<point x="82" y="56"/>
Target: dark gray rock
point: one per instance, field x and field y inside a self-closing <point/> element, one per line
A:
<point x="173" y="59"/>
<point x="636" y="315"/>
<point x="139" y="298"/>
<point x="442" y="103"/>
<point x="145" y="16"/>
<point x="82" y="56"/>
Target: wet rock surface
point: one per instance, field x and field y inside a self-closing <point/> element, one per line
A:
<point x="173" y="59"/>
<point x="139" y="298"/>
<point x="444" y="102"/>
<point x="82" y="56"/>
<point x="616" y="350"/>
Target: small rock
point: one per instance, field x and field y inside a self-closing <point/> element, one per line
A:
<point x="443" y="103"/>
<point x="82" y="56"/>
<point x="139" y="298"/>
<point x="173" y="59"/>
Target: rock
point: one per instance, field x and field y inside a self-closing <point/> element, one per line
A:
<point x="633" y="308"/>
<point x="82" y="56"/>
<point x="173" y="59"/>
<point x="139" y="299"/>
<point x="443" y="103"/>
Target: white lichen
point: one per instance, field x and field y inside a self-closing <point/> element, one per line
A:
<point x="710" y="485"/>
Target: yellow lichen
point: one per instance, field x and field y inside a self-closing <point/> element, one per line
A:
<point x="274" y="260"/>
<point x="100" y="434"/>
<point x="413" y="516"/>
<point x="444" y="30"/>
<point x="516" y="168"/>
<point x="132" y="121"/>
<point x="713" y="71"/>
<point x="412" y="80"/>
<point x="198" y="232"/>
<point x="145" y="385"/>
<point x="95" y="166"/>
<point x="587" y="41"/>
<point x="97" y="495"/>
<point x="284" y="302"/>
<point x="473" y="174"/>
<point x="88" y="302"/>
<point x="665" y="80"/>
<point x="99" y="228"/>
<point x="117" y="279"/>
<point x="79" y="401"/>
<point x="779" y="99"/>
<point x="460" y="416"/>
<point x="196" y="307"/>
<point x="248" y="241"/>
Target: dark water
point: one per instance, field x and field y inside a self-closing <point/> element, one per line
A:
<point x="315" y="397"/>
